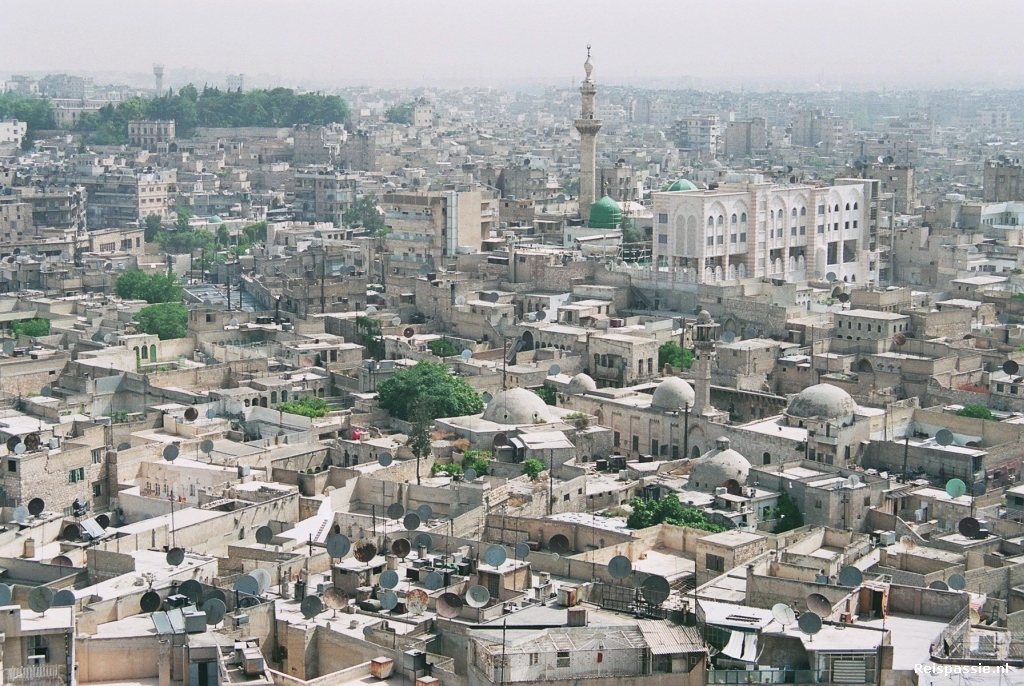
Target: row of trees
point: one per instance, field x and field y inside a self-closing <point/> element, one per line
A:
<point x="191" y="108"/>
<point x="35" y="112"/>
<point x="185" y="239"/>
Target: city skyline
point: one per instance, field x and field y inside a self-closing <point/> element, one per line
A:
<point x="793" y="43"/>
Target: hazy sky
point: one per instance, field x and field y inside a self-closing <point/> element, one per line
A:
<point x="884" y="42"/>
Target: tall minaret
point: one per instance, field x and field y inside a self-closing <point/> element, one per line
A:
<point x="588" y="127"/>
<point x="704" y="335"/>
<point x="158" y="72"/>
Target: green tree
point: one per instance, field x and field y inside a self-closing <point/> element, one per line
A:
<point x="547" y="393"/>
<point x="153" y="226"/>
<point x="307" y="406"/>
<point x="419" y="437"/>
<point x="442" y="348"/>
<point x="477" y="460"/>
<point x="787" y="514"/>
<point x="153" y="288"/>
<point x="365" y="213"/>
<point x="401" y="113"/>
<point x="31" y="327"/>
<point x="165" y="320"/>
<point x="580" y="420"/>
<point x="669" y="510"/>
<point x="975" y="411"/>
<point x="672" y="353"/>
<point x="428" y="385"/>
<point x="533" y="468"/>
<point x="371" y="336"/>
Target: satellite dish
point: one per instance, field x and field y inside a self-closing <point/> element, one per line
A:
<point x="433" y="581"/>
<point x="218" y="594"/>
<point x="850" y="576"/>
<point x="655" y="589"/>
<point x="335" y="598"/>
<point x="844" y="297"/>
<point x="477" y="596"/>
<point x="396" y="511"/>
<point x="945" y="437"/>
<point x="409" y="332"/>
<point x="460" y="300"/>
<point x="899" y="339"/>
<point x="908" y="542"/>
<point x="388" y="600"/>
<point x="150" y="601"/>
<point x="248" y="601"/>
<point x="124" y="446"/>
<point x="831" y="277"/>
<point x="365" y="550"/>
<point x="470" y="474"/>
<point x="938" y="585"/>
<point x="370" y="309"/>
<point x="397" y="321"/>
<point x="554" y="370"/>
<point x="957" y="582"/>
<point x="969" y="527"/>
<point x="978" y="489"/>
<point x="264" y="535"/>
<point x="389" y="579"/>
<point x="262" y="577"/>
<point x="311" y="606"/>
<point x="411" y="521"/>
<point x="425" y="512"/>
<point x="466" y="354"/>
<point x="171" y="453"/>
<point x="214" y="610"/>
<point x="449" y="605"/>
<point x="975" y="616"/>
<point x="487" y="397"/>
<point x="19" y="449"/>
<point x="955" y="488"/>
<point x="819" y="604"/>
<point x="619" y="567"/>
<point x="36" y="507"/>
<point x="423" y="541"/>
<point x="1003" y="318"/>
<point x="416" y="601"/>
<point x="338" y="546"/>
<point x="175" y="556"/>
<point x="62" y="561"/>
<point x="40" y="599"/>
<point x="1011" y="367"/>
<point x="20" y="514"/>
<point x="247" y="585"/>
<point x="206" y="446"/>
<point x="559" y="544"/>
<point x="522" y="551"/>
<point x="728" y="337"/>
<point x="809" y="623"/>
<point x="385" y="459"/>
<point x="491" y="297"/>
<point x="541" y="315"/>
<point x="401" y="548"/>
<point x="64" y="598"/>
<point x="12" y="442"/>
<point x="783" y="614"/>
<point x="495" y="556"/>
<point x="232" y="322"/>
<point x="853" y="481"/>
<point x="191" y="589"/>
<point x="191" y="414"/>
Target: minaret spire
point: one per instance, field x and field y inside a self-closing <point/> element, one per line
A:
<point x="588" y="126"/>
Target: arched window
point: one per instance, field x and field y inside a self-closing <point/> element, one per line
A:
<point x="793" y="212"/>
<point x="847" y="207"/>
<point x="803" y="211"/>
<point x="743" y="218"/>
<point x="711" y="221"/>
<point x="145" y="352"/>
<point x="771" y="214"/>
<point x="733" y="218"/>
<point x="855" y="206"/>
<point x="721" y="219"/>
<point x="767" y="458"/>
<point x="836" y="208"/>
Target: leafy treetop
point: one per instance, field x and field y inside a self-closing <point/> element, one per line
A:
<point x="165" y="320"/>
<point x="670" y="511"/>
<point x="430" y="386"/>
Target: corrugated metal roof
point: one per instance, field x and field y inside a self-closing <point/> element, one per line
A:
<point x="667" y="639"/>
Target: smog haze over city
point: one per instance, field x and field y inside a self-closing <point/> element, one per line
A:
<point x="537" y="343"/>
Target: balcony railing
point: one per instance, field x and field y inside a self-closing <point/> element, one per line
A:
<point x="36" y="675"/>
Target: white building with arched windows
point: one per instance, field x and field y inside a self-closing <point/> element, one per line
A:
<point x="790" y="233"/>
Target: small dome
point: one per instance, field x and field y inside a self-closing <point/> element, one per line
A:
<point x="516" y="406"/>
<point x="823" y="401"/>
<point x="580" y="384"/>
<point x="682" y="185"/>
<point x="720" y="467"/>
<point x="704" y="317"/>
<point x="216" y="220"/>
<point x="605" y="214"/>
<point x="673" y="395"/>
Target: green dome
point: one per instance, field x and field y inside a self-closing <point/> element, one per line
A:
<point x="216" y="220"/>
<point x="605" y="214"/>
<point x="682" y="185"/>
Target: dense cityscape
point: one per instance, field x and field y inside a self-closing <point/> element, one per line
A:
<point x="590" y="384"/>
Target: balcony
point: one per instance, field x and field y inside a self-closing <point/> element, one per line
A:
<point x="36" y="675"/>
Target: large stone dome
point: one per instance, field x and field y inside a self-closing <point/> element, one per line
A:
<point x="605" y="214"/>
<point x="682" y="185"/>
<point x="516" y="406"/>
<point x="823" y="401"/>
<point x="673" y="395"/>
<point x="580" y="384"/>
<point x="720" y="467"/>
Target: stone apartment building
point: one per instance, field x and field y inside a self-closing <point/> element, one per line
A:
<point x="120" y="196"/>
<point x="784" y="232"/>
<point x="57" y="207"/>
<point x="1003" y="180"/>
<point x="743" y="138"/>
<point x="323" y="195"/>
<point x="697" y="134"/>
<point x="151" y="134"/>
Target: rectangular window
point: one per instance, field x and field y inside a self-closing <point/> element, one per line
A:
<point x="999" y="388"/>
<point x="76" y="475"/>
<point x="97" y="455"/>
<point x="743" y="237"/>
<point x="711" y="240"/>
<point x="721" y="240"/>
<point x="714" y="563"/>
<point x="821" y="228"/>
<point x="617" y="439"/>
<point x="817" y="504"/>
<point x="821" y="209"/>
<point x="663" y="238"/>
<point x="97" y="489"/>
<point x="662" y="218"/>
<point x="855" y="223"/>
<point x="636" y="444"/>
<point x="792" y="231"/>
<point x="12" y="465"/>
<point x="563" y="659"/>
<point x="732" y="238"/>
<point x="803" y="230"/>
<point x="846" y="225"/>
<point x="534" y="659"/>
